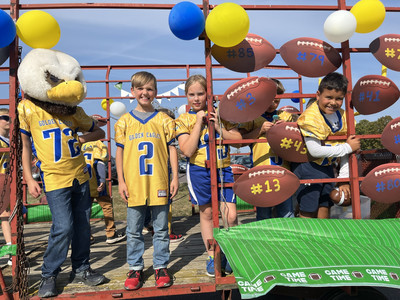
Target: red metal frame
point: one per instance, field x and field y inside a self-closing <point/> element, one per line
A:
<point x="220" y="282"/>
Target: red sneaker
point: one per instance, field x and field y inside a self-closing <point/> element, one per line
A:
<point x="162" y="278"/>
<point x="134" y="280"/>
<point x="175" y="237"/>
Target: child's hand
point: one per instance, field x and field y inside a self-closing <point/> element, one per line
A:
<point x="34" y="188"/>
<point x="214" y="118"/>
<point x="265" y="127"/>
<point x="354" y="142"/>
<point x="101" y="187"/>
<point x="200" y="115"/>
<point x="345" y="188"/>
<point x="123" y="191"/>
<point x="174" y="188"/>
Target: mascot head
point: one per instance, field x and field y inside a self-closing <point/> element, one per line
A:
<point x="53" y="80"/>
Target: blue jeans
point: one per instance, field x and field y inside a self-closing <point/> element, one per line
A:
<point x="283" y="210"/>
<point x="135" y="240"/>
<point x="70" y="210"/>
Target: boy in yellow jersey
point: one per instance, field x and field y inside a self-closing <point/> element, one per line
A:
<point x="50" y="120"/>
<point x="262" y="153"/>
<point x="4" y="160"/>
<point x="321" y="119"/>
<point x="96" y="156"/>
<point x="144" y="138"/>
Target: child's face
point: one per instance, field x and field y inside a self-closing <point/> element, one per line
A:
<point x="329" y="101"/>
<point x="145" y="94"/>
<point x="5" y="121"/>
<point x="274" y="105"/>
<point x="197" y="97"/>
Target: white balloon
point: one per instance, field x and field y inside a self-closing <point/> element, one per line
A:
<point x="182" y="109"/>
<point x="117" y="108"/>
<point x="340" y="26"/>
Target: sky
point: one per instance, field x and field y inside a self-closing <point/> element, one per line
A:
<point x="143" y="37"/>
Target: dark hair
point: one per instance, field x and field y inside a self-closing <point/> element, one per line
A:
<point x="334" y="81"/>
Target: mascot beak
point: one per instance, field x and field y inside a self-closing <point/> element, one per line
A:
<point x="68" y="92"/>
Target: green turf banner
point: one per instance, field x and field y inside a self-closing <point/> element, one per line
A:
<point x="312" y="252"/>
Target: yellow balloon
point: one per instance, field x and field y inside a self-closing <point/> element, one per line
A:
<point x="38" y="29"/>
<point x="227" y="24"/>
<point x="369" y="15"/>
<point x="104" y="103"/>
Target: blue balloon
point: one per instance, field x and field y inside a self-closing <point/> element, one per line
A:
<point x="296" y="100"/>
<point x="7" y="29"/>
<point x="186" y="20"/>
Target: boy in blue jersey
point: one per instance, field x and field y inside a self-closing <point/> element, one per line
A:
<point x="144" y="139"/>
<point x="321" y="119"/>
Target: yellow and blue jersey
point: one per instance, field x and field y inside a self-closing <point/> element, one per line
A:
<point x="145" y="159"/>
<point x="95" y="152"/>
<point x="55" y="143"/>
<point x="261" y="153"/>
<point x="185" y="124"/>
<point x="313" y="124"/>
<point x="4" y="156"/>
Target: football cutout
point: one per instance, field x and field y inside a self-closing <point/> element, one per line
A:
<point x="266" y="186"/>
<point x="339" y="198"/>
<point x="310" y="57"/>
<point x="4" y="198"/>
<point x="238" y="170"/>
<point x="386" y="50"/>
<point x="252" y="54"/>
<point x="100" y="120"/>
<point x="374" y="93"/>
<point x="289" y="109"/>
<point x="390" y="137"/>
<point x="382" y="184"/>
<point x="287" y="142"/>
<point x="247" y="99"/>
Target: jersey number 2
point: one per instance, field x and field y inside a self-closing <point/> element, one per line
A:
<point x="145" y="168"/>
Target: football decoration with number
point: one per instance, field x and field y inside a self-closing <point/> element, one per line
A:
<point x="382" y="184"/>
<point x="252" y="54"/>
<point x="310" y="57"/>
<point x="374" y="93"/>
<point x="386" y="50"/>
<point x="390" y="137"/>
<point x="287" y="142"/>
<point x="247" y="99"/>
<point x="266" y="186"/>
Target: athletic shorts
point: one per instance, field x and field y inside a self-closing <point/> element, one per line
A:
<point x="311" y="196"/>
<point x="199" y="184"/>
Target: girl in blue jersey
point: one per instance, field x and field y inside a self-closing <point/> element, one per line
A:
<point x="192" y="133"/>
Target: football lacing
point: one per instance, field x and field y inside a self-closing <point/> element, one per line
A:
<point x="313" y="44"/>
<point x="254" y="40"/>
<point x="396" y="40"/>
<point x="291" y="128"/>
<point x="395" y="125"/>
<point x="375" y="81"/>
<point x="388" y="170"/>
<point x="241" y="87"/>
<point x="266" y="172"/>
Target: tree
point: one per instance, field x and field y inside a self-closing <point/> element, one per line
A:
<point x="375" y="127"/>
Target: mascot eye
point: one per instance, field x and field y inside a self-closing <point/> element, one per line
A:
<point x="52" y="78"/>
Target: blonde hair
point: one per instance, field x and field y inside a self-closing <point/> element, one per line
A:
<point x="193" y="79"/>
<point x="4" y="111"/>
<point x="167" y="111"/>
<point x="141" y="78"/>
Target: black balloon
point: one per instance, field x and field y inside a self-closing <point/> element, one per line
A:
<point x="4" y="54"/>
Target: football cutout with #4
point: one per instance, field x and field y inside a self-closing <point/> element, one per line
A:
<point x="266" y="186"/>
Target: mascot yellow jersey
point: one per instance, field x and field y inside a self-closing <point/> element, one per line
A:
<point x="4" y="156"/>
<point x="312" y="123"/>
<point x="56" y="145"/>
<point x="94" y="152"/>
<point x="145" y="159"/>
<point x="184" y="125"/>
<point x="262" y="153"/>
